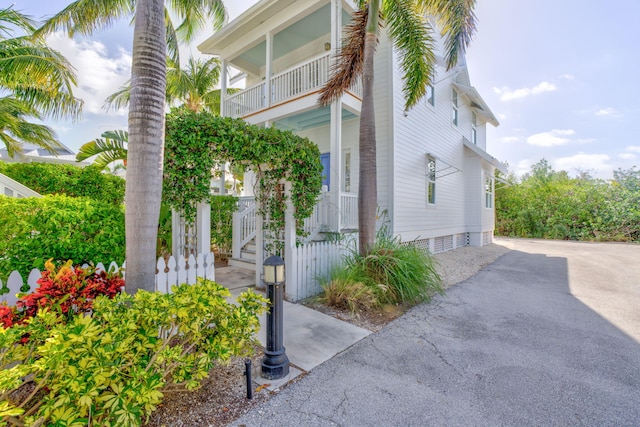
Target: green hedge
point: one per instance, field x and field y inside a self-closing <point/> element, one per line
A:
<point x="71" y="180"/>
<point x="58" y="227"/>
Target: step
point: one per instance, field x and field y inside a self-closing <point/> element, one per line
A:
<point x="248" y="254"/>
<point x="242" y="263"/>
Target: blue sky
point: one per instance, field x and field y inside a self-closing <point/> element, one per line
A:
<point x="558" y="74"/>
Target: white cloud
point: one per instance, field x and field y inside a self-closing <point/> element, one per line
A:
<point x="509" y="139"/>
<point x="507" y="94"/>
<point x="99" y="74"/>
<point x="606" y="112"/>
<point x="567" y="76"/>
<point x="550" y="139"/>
<point x="633" y="148"/>
<point x="585" y="162"/>
<point x="627" y="156"/>
<point x="523" y="166"/>
<point x="502" y="116"/>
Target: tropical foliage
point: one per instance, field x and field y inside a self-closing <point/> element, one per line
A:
<point x="113" y="365"/>
<point x="35" y="83"/>
<point x="550" y="204"/>
<point x="411" y="33"/>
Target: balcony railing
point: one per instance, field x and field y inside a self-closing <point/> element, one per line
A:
<point x="291" y="83"/>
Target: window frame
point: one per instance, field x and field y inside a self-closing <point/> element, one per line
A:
<point x="430" y="176"/>
<point x="455" y="118"/>
<point x="489" y="191"/>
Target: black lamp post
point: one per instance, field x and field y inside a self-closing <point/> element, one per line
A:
<point x="275" y="363"/>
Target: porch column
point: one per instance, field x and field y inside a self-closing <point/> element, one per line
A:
<point x="335" y="128"/>
<point x="268" y="71"/>
<point x="223" y="86"/>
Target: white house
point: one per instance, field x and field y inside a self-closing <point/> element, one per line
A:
<point x="435" y="178"/>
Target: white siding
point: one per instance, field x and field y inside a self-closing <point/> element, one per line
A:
<point x="429" y="129"/>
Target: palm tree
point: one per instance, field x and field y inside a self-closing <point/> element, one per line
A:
<point x="411" y="34"/>
<point x="146" y="108"/>
<point x="192" y="86"/>
<point x="35" y="81"/>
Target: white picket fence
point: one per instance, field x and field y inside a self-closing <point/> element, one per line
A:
<point x="169" y="273"/>
<point x="311" y="264"/>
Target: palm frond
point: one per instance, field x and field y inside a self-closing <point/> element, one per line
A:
<point x="119" y="99"/>
<point x="86" y="16"/>
<point x="15" y="127"/>
<point x="348" y="64"/>
<point x="457" y="21"/>
<point x="10" y="19"/>
<point x="195" y="14"/>
<point x="410" y="34"/>
<point x="110" y="149"/>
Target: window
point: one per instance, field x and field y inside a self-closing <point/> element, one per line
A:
<point x="488" y="191"/>
<point x="346" y="183"/>
<point x="474" y="131"/>
<point x="431" y="180"/>
<point x="454" y="110"/>
<point x="431" y="94"/>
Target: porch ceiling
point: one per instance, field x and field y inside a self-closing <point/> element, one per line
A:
<point x="310" y="119"/>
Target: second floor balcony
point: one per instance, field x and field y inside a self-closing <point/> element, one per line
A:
<point x="304" y="79"/>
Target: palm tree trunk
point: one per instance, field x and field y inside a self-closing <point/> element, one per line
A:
<point x="146" y="144"/>
<point x="368" y="188"/>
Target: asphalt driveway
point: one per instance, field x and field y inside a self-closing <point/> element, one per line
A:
<point x="549" y="334"/>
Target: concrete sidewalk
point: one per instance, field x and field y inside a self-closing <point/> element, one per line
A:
<point x="310" y="337"/>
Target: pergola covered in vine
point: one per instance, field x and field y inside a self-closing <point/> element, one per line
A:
<point x="197" y="143"/>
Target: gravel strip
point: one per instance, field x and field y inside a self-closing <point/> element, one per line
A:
<point x="460" y="264"/>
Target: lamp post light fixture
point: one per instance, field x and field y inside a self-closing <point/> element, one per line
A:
<point x="275" y="363"/>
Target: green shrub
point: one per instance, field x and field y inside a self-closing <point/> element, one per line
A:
<point x="112" y="367"/>
<point x="345" y="294"/>
<point x="60" y="228"/>
<point x="74" y="181"/>
<point x="222" y="209"/>
<point x="395" y="272"/>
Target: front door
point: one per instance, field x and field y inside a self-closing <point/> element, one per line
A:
<point x="325" y="159"/>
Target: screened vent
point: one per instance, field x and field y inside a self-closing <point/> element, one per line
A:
<point x="487" y="237"/>
<point x="422" y="244"/>
<point x="443" y="243"/>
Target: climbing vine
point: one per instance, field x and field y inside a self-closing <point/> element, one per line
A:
<point x="195" y="143"/>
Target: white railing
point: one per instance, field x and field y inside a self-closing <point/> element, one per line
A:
<point x="304" y="78"/>
<point x="319" y="219"/>
<point x="244" y="226"/>
<point x="348" y="210"/>
<point x="296" y="81"/>
<point x="245" y="202"/>
<point x="169" y="273"/>
<point x="246" y="101"/>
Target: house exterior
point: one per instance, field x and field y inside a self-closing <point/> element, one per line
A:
<point x="12" y="188"/>
<point x="435" y="178"/>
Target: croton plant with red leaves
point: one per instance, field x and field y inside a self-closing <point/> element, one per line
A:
<point x="69" y="290"/>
